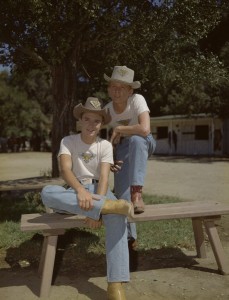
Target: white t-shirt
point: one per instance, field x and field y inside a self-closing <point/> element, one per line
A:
<point x="86" y="158"/>
<point x="136" y="105"/>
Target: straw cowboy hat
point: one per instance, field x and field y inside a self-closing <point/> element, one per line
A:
<point x="124" y="75"/>
<point x="93" y="105"/>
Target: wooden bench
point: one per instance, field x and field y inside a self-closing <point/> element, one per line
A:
<point x="203" y="215"/>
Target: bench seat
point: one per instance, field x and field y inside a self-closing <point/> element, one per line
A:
<point x="182" y="210"/>
<point x="202" y="214"/>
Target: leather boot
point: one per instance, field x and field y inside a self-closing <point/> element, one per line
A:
<point x="115" y="291"/>
<point x="120" y="207"/>
<point x="136" y="199"/>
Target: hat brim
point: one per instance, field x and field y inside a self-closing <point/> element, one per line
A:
<point x="80" y="109"/>
<point x="134" y="84"/>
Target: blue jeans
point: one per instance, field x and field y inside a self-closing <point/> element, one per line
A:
<point x="134" y="151"/>
<point x="65" y="200"/>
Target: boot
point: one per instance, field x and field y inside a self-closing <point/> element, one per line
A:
<point x="120" y="207"/>
<point x="136" y="199"/>
<point x="115" y="291"/>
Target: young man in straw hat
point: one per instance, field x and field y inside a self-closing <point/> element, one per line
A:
<point x="85" y="161"/>
<point x="131" y="137"/>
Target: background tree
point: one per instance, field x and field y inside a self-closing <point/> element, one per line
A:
<point x="20" y="115"/>
<point x="55" y="35"/>
<point x="78" y="40"/>
<point x="162" y="44"/>
<point x="178" y="75"/>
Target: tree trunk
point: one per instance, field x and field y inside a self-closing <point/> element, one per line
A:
<point x="64" y="87"/>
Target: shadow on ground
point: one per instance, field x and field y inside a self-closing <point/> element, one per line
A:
<point x="190" y="159"/>
<point x="75" y="265"/>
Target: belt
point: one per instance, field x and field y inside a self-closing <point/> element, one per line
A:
<point x="85" y="181"/>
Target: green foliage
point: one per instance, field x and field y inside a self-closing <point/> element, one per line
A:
<point x="75" y="42"/>
<point x="155" y="199"/>
<point x="45" y="33"/>
<point x="162" y="45"/>
<point x="173" y="233"/>
<point x="46" y="173"/>
<point x="11" y="235"/>
<point x="11" y="208"/>
<point x="166" y="233"/>
<point x="21" y="105"/>
<point x="187" y="88"/>
<point x="37" y="85"/>
<point x="224" y="55"/>
<point x="33" y="201"/>
<point x="177" y="75"/>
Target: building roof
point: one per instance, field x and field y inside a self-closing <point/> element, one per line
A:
<point x="193" y="116"/>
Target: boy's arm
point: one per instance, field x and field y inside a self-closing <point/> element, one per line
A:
<point x="85" y="199"/>
<point x="65" y="162"/>
<point x="142" y="128"/>
<point x="103" y="178"/>
<point x="101" y="190"/>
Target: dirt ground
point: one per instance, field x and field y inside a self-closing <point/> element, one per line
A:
<point x="163" y="273"/>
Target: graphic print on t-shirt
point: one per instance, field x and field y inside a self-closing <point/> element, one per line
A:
<point x="87" y="156"/>
<point x="124" y="122"/>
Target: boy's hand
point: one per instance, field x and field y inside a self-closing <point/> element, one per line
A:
<point x="115" y="137"/>
<point x="116" y="166"/>
<point x="85" y="199"/>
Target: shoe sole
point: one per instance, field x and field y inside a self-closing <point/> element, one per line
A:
<point x="138" y="210"/>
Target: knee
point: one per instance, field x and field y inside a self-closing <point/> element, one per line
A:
<point x="138" y="142"/>
<point x="136" y="139"/>
<point x="52" y="189"/>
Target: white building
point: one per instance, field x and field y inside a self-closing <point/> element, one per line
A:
<point x="196" y="135"/>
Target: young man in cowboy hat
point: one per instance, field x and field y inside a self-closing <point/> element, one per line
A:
<point x="85" y="161"/>
<point x="131" y="137"/>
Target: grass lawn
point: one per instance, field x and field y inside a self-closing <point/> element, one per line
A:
<point x="84" y="247"/>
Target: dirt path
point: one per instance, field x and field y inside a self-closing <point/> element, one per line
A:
<point x="24" y="165"/>
<point x="189" y="178"/>
<point x="186" y="178"/>
<point x="171" y="274"/>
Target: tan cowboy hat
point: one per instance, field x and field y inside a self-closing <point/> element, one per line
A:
<point x="124" y="75"/>
<point x="92" y="105"/>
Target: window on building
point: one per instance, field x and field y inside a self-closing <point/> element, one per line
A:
<point x="162" y="132"/>
<point x="201" y="132"/>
